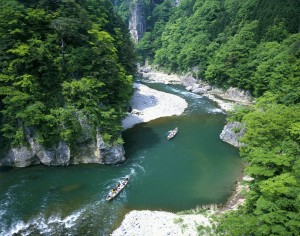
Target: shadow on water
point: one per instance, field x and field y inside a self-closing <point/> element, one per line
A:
<point x="5" y="168"/>
<point x="132" y="139"/>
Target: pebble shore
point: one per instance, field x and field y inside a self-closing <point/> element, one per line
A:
<point x="159" y="223"/>
<point x="149" y="104"/>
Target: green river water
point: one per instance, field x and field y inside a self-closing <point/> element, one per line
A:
<point x="193" y="169"/>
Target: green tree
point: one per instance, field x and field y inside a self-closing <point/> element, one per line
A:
<point x="59" y="59"/>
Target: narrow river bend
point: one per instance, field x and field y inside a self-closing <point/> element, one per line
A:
<point x="194" y="168"/>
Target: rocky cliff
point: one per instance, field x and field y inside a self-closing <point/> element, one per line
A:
<point x="232" y="132"/>
<point x="90" y="150"/>
<point x="137" y="21"/>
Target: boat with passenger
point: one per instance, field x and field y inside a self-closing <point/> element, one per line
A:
<point x="118" y="188"/>
<point x="172" y="133"/>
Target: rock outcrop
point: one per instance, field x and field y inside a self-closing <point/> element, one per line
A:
<point x="188" y="81"/>
<point x="19" y="157"/>
<point x="137" y="21"/>
<point x="232" y="132"/>
<point x="238" y="95"/>
<point x="91" y="150"/>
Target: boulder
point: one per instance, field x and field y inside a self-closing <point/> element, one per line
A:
<point x="113" y="155"/>
<point x="136" y="112"/>
<point x="189" y="88"/>
<point x="207" y="87"/>
<point x="199" y="90"/>
<point x="110" y="154"/>
<point x="145" y="69"/>
<point x="188" y="80"/>
<point x="59" y="156"/>
<point x="232" y="132"/>
<point x="19" y="157"/>
<point x="236" y="94"/>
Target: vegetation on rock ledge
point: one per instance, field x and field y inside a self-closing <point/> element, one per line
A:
<point x="65" y="69"/>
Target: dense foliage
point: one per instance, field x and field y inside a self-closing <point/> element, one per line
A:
<point x="228" y="42"/>
<point x="254" y="45"/>
<point x="65" y="66"/>
<point x="272" y="154"/>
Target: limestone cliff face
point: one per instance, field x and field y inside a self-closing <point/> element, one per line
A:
<point x="176" y="3"/>
<point x="91" y="150"/>
<point x="137" y="21"/>
<point x="232" y="132"/>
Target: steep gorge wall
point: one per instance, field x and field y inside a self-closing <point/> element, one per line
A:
<point x="90" y="151"/>
<point x="137" y="21"/>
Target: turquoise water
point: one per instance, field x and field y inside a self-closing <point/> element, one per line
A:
<point x="194" y="168"/>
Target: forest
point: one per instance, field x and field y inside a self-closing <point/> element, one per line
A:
<point x="64" y="65"/>
<point x="253" y="45"/>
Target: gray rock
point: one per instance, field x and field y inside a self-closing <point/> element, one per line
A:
<point x="137" y="21"/>
<point x="199" y="90"/>
<point x="236" y="94"/>
<point x="136" y="112"/>
<point x="146" y="69"/>
<point x="207" y="87"/>
<point x="55" y="156"/>
<point x="189" y="88"/>
<point x="85" y="153"/>
<point x="232" y="132"/>
<point x="113" y="155"/>
<point x="188" y="80"/>
<point x="19" y="157"/>
<point x="60" y="155"/>
<point x="110" y="154"/>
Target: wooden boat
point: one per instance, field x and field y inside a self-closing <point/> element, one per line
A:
<point x="172" y="133"/>
<point x="118" y="188"/>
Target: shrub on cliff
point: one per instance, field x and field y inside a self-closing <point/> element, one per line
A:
<point x="59" y="59"/>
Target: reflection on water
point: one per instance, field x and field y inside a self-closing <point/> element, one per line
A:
<point x="192" y="169"/>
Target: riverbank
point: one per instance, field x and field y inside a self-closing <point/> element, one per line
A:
<point x="160" y="223"/>
<point x="166" y="223"/>
<point x="226" y="99"/>
<point x="148" y="104"/>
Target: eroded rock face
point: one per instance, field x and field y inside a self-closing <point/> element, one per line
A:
<point x="19" y="157"/>
<point x="114" y="155"/>
<point x="236" y="94"/>
<point x="232" y="132"/>
<point x="110" y="154"/>
<point x="61" y="155"/>
<point x="137" y="21"/>
<point x="188" y="81"/>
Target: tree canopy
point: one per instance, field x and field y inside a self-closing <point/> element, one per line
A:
<point x="62" y="63"/>
<point x="246" y="44"/>
<point x="253" y="45"/>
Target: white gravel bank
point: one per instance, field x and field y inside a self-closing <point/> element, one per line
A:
<point x="160" y="77"/>
<point x="149" y="104"/>
<point x="159" y="223"/>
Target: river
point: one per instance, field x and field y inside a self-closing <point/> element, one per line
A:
<point x="195" y="168"/>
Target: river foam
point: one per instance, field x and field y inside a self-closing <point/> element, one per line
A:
<point x="42" y="225"/>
